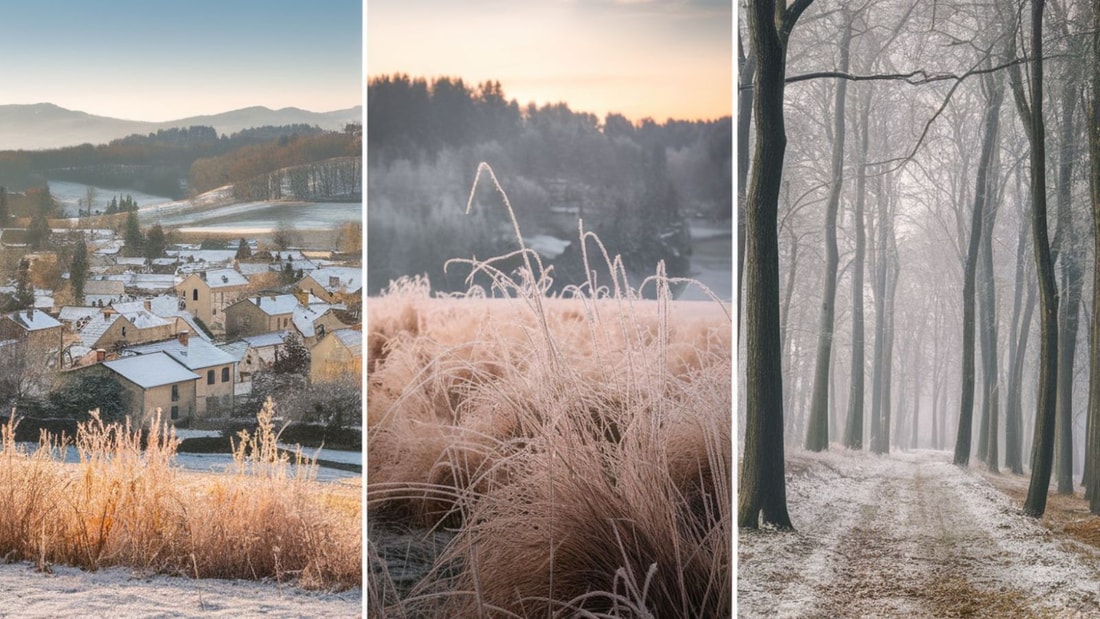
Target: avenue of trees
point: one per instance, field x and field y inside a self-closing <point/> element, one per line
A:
<point x="918" y="193"/>
<point x="633" y="183"/>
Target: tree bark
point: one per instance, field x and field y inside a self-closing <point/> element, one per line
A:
<point x="762" y="496"/>
<point x="1031" y="113"/>
<point x="817" y="432"/>
<point x="966" y="405"/>
<point x="1070" y="307"/>
<point x="1092" y="443"/>
<point x="853" y="434"/>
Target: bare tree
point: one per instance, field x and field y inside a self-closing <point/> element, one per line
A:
<point x="762" y="494"/>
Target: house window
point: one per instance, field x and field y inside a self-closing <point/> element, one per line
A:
<point x="175" y="412"/>
<point x="175" y="395"/>
<point x="210" y="377"/>
<point x="225" y="375"/>
<point x="195" y="294"/>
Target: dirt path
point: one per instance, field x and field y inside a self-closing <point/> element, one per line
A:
<point x="909" y="535"/>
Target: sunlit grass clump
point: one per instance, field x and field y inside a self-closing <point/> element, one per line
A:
<point x="578" y="447"/>
<point x="127" y="504"/>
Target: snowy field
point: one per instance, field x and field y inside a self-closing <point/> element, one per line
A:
<point x="120" y="592"/>
<point x="908" y="535"/>
<point x="72" y="195"/>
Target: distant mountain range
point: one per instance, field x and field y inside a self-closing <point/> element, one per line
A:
<point x="45" y="125"/>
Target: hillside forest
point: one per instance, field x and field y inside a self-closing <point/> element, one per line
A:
<point x="264" y="163"/>
<point x="635" y="184"/>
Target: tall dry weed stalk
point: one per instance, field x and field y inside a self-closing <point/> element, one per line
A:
<point x="126" y="503"/>
<point x="579" y="445"/>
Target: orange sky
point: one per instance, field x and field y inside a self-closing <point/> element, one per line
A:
<point x="641" y="58"/>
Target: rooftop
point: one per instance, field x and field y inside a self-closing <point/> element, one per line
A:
<point x="151" y="370"/>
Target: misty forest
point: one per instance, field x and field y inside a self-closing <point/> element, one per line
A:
<point x="919" y="190"/>
<point x="635" y="185"/>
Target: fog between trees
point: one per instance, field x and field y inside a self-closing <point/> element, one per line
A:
<point x="917" y="259"/>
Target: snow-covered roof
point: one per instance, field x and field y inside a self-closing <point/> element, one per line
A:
<point x="73" y="313"/>
<point x="279" y="304"/>
<point x="275" y="338"/>
<point x="304" y="317"/>
<point x="34" y="320"/>
<point x="223" y="278"/>
<point x="133" y="261"/>
<point x="236" y="349"/>
<point x="352" y="339"/>
<point x="197" y="354"/>
<point x="339" y="279"/>
<point x="209" y="256"/>
<point x="152" y="370"/>
<point x="96" y="327"/>
<point x="253" y="268"/>
<point x="144" y="319"/>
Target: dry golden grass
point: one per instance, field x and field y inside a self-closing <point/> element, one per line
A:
<point x="126" y="504"/>
<point x="580" y="447"/>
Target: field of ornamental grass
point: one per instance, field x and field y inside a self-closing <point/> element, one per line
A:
<point x="536" y="456"/>
<point x="126" y="504"/>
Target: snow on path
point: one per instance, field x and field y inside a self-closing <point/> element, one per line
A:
<point x="119" y="592"/>
<point x="908" y="535"/>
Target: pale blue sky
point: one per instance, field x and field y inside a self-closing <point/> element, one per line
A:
<point x="153" y="60"/>
<point x="657" y="58"/>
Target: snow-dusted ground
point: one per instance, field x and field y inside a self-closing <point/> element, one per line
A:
<point x="119" y="592"/>
<point x="908" y="535"/>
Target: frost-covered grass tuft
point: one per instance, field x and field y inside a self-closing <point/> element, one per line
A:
<point x="578" y="446"/>
<point x="127" y="504"/>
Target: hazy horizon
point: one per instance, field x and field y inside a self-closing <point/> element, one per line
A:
<point x="156" y="62"/>
<point x="636" y="58"/>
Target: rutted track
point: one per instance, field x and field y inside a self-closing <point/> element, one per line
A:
<point x="908" y="535"/>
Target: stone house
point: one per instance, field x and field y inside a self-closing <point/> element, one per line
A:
<point x="207" y="295"/>
<point x="157" y="381"/>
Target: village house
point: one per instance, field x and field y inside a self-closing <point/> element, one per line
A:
<point x="43" y="334"/>
<point x="112" y="330"/>
<point x="335" y="285"/>
<point x="338" y="355"/>
<point x="157" y="381"/>
<point x="207" y="294"/>
<point x="213" y="367"/>
<point x="255" y="352"/>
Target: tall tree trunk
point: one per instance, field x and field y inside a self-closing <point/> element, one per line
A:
<point x="1092" y="442"/>
<point x="747" y="69"/>
<point x="888" y="345"/>
<point x="762" y="495"/>
<point x="1017" y="346"/>
<point x="1031" y="112"/>
<point x="817" y="433"/>
<point x="1071" y="303"/>
<point x="966" y="406"/>
<point x="879" y="290"/>
<point x="991" y="397"/>
<point x="853" y="434"/>
<point x="914" y="368"/>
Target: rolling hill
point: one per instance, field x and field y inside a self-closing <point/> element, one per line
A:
<point x="45" y="125"/>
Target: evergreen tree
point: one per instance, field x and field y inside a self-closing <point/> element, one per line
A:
<point x="38" y="234"/>
<point x="3" y="205"/>
<point x="243" y="250"/>
<point x="155" y="242"/>
<point x="78" y="270"/>
<point x="293" y="358"/>
<point x="133" y="237"/>
<point x="24" y="292"/>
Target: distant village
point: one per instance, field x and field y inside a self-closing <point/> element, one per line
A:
<point x="191" y="333"/>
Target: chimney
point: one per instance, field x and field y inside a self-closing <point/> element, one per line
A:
<point x="148" y="305"/>
<point x="30" y="314"/>
<point x="184" y="336"/>
<point x="100" y="355"/>
<point x="333" y="281"/>
<point x="302" y="296"/>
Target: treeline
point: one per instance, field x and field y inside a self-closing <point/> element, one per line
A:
<point x="634" y="184"/>
<point x="325" y="165"/>
<point x="158" y="163"/>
